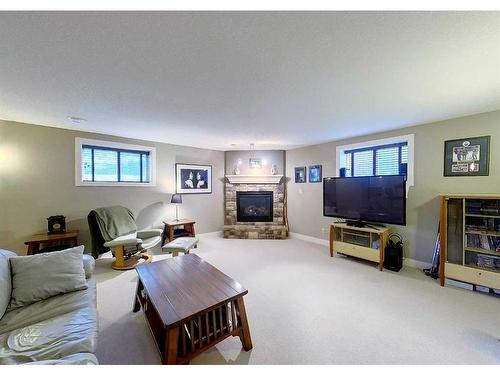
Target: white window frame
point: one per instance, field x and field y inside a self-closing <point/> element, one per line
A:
<point x="79" y="142"/>
<point x="408" y="138"/>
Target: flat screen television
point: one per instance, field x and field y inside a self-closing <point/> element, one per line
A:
<point x="380" y="199"/>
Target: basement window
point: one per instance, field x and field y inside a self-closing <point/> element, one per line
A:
<point x="376" y="160"/>
<point x="102" y="163"/>
<point x="388" y="156"/>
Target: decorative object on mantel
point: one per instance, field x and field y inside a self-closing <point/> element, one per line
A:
<point x="315" y="173"/>
<point x="300" y="174"/>
<point x="193" y="179"/>
<point x="236" y="166"/>
<point x="467" y="157"/>
<point x="177" y="200"/>
<point x="274" y="169"/>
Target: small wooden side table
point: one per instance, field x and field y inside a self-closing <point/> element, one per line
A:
<point x="171" y="225"/>
<point x="69" y="238"/>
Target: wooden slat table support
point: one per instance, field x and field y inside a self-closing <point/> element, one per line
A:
<point x="190" y="306"/>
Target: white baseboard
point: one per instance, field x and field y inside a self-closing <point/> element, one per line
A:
<point x="210" y="234"/>
<point x="413" y="263"/>
<point x="315" y="240"/>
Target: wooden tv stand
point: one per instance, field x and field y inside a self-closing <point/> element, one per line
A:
<point x="365" y="242"/>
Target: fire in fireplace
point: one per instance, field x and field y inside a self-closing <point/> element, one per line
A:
<point x="254" y="206"/>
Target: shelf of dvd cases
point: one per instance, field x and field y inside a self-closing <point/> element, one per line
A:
<point x="470" y="239"/>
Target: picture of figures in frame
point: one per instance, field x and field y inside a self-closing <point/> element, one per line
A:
<point x="300" y="175"/>
<point x="467" y="157"/>
<point x="193" y="179"/>
<point x="315" y="173"/>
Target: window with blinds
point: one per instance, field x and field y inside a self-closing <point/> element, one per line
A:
<point x="377" y="161"/>
<point x="104" y="163"/>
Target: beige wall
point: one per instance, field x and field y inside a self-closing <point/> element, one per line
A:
<point x="305" y="200"/>
<point x="37" y="180"/>
<point x="271" y="157"/>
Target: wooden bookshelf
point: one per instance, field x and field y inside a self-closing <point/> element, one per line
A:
<point x="366" y="243"/>
<point x="470" y="239"/>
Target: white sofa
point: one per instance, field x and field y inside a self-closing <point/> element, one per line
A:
<point x="58" y="330"/>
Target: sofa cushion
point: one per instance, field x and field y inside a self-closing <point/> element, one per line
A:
<point x="49" y="308"/>
<point x="38" y="277"/>
<point x="55" y="338"/>
<point x="5" y="280"/>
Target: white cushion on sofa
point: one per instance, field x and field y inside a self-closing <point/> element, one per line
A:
<point x="5" y="280"/>
<point x="38" y="277"/>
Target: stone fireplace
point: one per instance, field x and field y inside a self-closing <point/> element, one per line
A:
<point x="255" y="207"/>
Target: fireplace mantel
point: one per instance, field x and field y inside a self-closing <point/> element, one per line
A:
<point x="254" y="179"/>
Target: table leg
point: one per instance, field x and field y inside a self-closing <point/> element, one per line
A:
<point x="383" y="241"/>
<point x="33" y="248"/>
<point x="137" y="304"/>
<point x="193" y="234"/>
<point x="332" y="233"/>
<point x="246" y="339"/>
<point x="171" y="344"/>
<point x="170" y="233"/>
<point x="164" y="235"/>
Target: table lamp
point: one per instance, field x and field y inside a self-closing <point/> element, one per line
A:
<point x="177" y="200"/>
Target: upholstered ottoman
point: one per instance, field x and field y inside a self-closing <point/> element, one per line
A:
<point x="180" y="245"/>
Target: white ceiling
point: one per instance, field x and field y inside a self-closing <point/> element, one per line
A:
<point x="279" y="80"/>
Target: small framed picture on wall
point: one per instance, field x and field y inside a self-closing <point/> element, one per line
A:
<point x="467" y="157"/>
<point x="315" y="174"/>
<point x="300" y="175"/>
<point x="193" y="179"/>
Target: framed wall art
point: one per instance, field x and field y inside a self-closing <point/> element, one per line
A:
<point x="300" y="174"/>
<point x="193" y="179"/>
<point x="467" y="157"/>
<point x="255" y="163"/>
<point x="315" y="174"/>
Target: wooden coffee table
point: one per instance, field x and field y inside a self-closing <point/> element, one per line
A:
<point x="190" y="306"/>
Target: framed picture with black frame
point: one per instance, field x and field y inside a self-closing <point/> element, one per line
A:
<point x="193" y="179"/>
<point x="467" y="157"/>
<point x="300" y="175"/>
<point x="315" y="173"/>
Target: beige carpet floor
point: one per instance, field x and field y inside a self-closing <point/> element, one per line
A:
<point x="307" y="308"/>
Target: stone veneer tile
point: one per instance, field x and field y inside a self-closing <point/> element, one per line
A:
<point x="273" y="230"/>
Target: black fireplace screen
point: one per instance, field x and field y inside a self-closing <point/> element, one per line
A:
<point x="254" y="206"/>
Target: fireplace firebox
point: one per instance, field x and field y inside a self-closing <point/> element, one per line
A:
<point x="254" y="206"/>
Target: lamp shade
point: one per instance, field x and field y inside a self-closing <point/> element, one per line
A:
<point x="176" y="198"/>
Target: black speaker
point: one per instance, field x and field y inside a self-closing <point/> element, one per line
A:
<point x="342" y="172"/>
<point x="393" y="253"/>
<point x="403" y="168"/>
